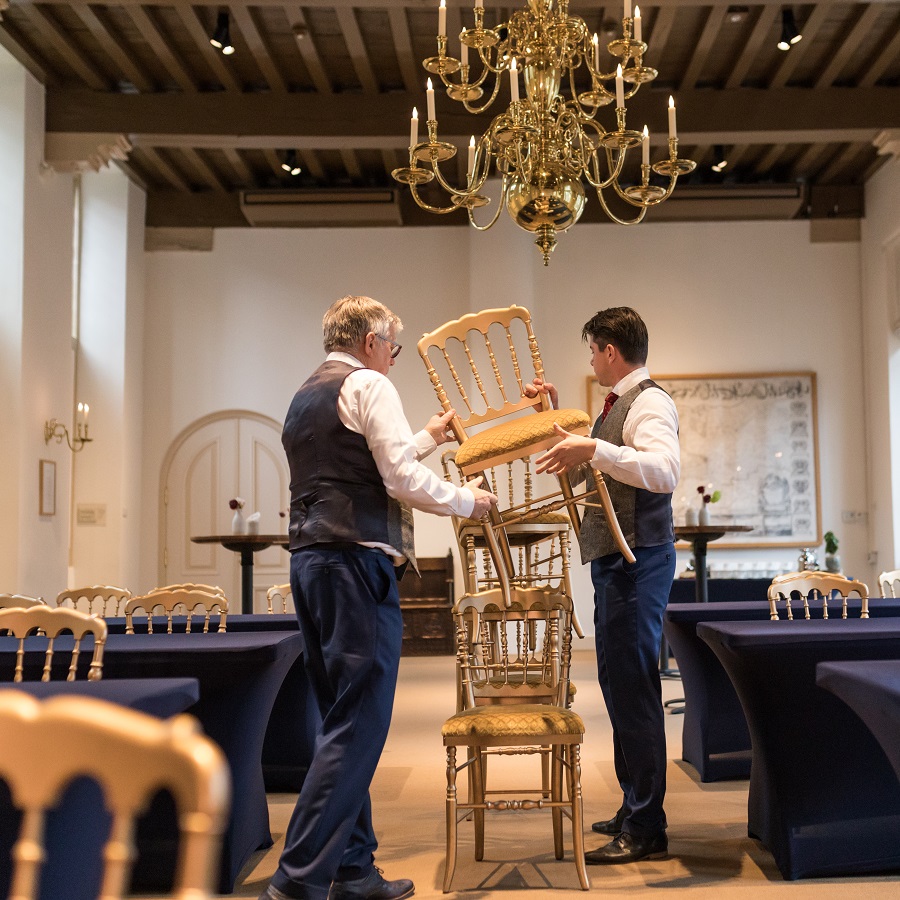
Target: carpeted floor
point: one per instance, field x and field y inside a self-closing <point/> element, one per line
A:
<point x="710" y="853"/>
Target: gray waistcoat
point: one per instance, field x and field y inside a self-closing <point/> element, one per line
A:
<point x="645" y="516"/>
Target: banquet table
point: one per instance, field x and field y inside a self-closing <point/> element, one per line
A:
<point x="699" y="537"/>
<point x="239" y="675"/>
<point x="715" y="739"/>
<point x="76" y="829"/>
<point x="872" y="691"/>
<point x="824" y="798"/>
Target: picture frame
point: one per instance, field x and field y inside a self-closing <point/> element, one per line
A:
<point x="47" y="487"/>
<point x="754" y="438"/>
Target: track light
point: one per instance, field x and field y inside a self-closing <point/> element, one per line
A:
<point x="222" y="35"/>
<point x="290" y="163"/>
<point x="720" y="160"/>
<point x="790" y="34"/>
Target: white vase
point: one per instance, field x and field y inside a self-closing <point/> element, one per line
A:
<point x="703" y="515"/>
<point x="238" y="525"/>
<point x="690" y="517"/>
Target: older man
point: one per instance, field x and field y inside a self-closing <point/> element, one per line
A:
<point x="355" y="473"/>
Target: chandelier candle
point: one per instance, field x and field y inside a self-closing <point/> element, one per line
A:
<point x="554" y="140"/>
<point x="413" y="129"/>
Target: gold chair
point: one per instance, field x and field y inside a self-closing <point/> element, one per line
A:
<point x="889" y="582"/>
<point x="50" y="623"/>
<point x="45" y="745"/>
<point x="466" y="351"/>
<point x="172" y="598"/>
<point x="822" y="585"/>
<point x="100" y="599"/>
<point x="278" y="593"/>
<point x="19" y="601"/>
<point x="514" y="660"/>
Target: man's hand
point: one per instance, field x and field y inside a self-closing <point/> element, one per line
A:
<point x="571" y="451"/>
<point x="438" y="426"/>
<point x="538" y="387"/>
<point x="484" y="500"/>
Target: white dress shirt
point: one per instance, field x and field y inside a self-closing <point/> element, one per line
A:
<point x="651" y="457"/>
<point x="369" y="404"/>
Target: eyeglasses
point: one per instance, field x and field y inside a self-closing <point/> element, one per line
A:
<point x="395" y="348"/>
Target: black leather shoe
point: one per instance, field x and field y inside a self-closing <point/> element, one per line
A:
<point x="611" y="826"/>
<point x="272" y="893"/>
<point x="626" y="848"/>
<point x="372" y="887"/>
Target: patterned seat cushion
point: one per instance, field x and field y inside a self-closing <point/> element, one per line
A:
<point x="518" y="435"/>
<point x="513" y="721"/>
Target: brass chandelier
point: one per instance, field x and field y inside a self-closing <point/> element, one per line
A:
<point x="547" y="144"/>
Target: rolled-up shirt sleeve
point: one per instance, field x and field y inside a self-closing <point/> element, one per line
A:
<point x="651" y="457"/>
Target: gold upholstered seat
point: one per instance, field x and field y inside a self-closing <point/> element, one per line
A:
<point x="507" y="654"/>
<point x="821" y="586"/>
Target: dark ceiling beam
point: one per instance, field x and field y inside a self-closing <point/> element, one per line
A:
<point x="22" y="51"/>
<point x="751" y="49"/>
<point x="795" y="54"/>
<point x="214" y="58"/>
<point x="410" y="68"/>
<point x="736" y="116"/>
<point x="848" y="46"/>
<point x="262" y="55"/>
<point x="115" y="49"/>
<point x="353" y="38"/>
<point x="160" y="45"/>
<point x="659" y="35"/>
<point x="883" y="60"/>
<point x="307" y="49"/>
<point x="701" y="51"/>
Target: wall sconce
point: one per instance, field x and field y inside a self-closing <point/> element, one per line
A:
<point x="54" y="429"/>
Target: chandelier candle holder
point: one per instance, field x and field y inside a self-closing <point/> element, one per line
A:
<point x="80" y="437"/>
<point x="545" y="145"/>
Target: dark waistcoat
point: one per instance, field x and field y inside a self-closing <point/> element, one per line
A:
<point x="337" y="494"/>
<point x="644" y="516"/>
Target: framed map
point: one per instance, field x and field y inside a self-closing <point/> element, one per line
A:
<point x="754" y="438"/>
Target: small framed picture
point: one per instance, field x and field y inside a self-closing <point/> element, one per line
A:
<point x="47" y="487"/>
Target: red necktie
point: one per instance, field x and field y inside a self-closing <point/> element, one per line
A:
<point x="611" y="398"/>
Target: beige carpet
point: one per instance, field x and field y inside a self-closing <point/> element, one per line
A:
<point x="710" y="853"/>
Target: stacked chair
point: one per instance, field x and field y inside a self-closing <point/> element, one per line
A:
<point x="514" y="624"/>
<point x="174" y="597"/>
<point x="98" y="599"/>
<point x="819" y="587"/>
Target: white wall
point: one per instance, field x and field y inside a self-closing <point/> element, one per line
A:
<point x="240" y="327"/>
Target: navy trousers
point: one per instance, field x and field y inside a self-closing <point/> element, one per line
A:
<point x="348" y="608"/>
<point x="629" y="601"/>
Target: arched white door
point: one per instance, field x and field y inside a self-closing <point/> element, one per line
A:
<point x="229" y="454"/>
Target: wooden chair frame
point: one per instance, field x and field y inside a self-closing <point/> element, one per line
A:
<point x="820" y="585"/>
<point x="50" y="623"/>
<point x="887" y="581"/>
<point x="20" y="601"/>
<point x="45" y="745"/>
<point x="169" y="599"/>
<point x="282" y="591"/>
<point x="103" y="595"/>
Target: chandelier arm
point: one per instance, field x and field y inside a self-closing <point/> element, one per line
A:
<point x="502" y="202"/>
<point x="617" y="219"/>
<point x="445" y="185"/>
<point x="439" y="210"/>
<point x="614" y="170"/>
<point x="476" y="110"/>
<point x="448" y="83"/>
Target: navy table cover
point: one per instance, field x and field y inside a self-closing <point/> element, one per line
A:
<point x="720" y="590"/>
<point x="824" y="798"/>
<point x="872" y="691"/>
<point x="714" y="738"/>
<point x="285" y="755"/>
<point x="75" y="831"/>
<point x="240" y="675"/>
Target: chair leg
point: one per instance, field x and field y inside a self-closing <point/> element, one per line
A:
<point x="479" y="775"/>
<point x="573" y="758"/>
<point x="556" y="776"/>
<point x="450" y="859"/>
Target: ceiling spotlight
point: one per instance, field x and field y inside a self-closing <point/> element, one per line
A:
<point x="300" y="31"/>
<point x="222" y="35"/>
<point x="737" y="14"/>
<point x="720" y="161"/>
<point x="290" y="163"/>
<point x="790" y="34"/>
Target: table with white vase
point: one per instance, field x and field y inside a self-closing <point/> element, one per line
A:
<point x="699" y="536"/>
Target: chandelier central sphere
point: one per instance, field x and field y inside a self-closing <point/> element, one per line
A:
<point x="545" y="146"/>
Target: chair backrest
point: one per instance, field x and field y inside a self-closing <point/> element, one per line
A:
<point x="131" y="755"/>
<point x="889" y="582"/>
<point x="492" y="353"/>
<point x="278" y="595"/>
<point x="822" y="585"/>
<point x="50" y="622"/>
<point x="188" y="586"/>
<point x="171" y="601"/>
<point x="97" y="600"/>
<point x="19" y="601"/>
<point x="517" y="653"/>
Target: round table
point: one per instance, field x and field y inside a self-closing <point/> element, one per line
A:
<point x="246" y="545"/>
<point x="699" y="536"/>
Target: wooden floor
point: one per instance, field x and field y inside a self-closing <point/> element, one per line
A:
<point x="710" y="853"/>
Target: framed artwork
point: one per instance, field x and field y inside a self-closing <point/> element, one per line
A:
<point x="753" y="438"/>
<point x="47" y="487"/>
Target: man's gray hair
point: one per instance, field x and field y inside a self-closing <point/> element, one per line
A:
<point x="350" y="319"/>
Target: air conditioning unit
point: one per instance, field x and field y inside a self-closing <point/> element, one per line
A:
<point x="726" y="202"/>
<point x="320" y="208"/>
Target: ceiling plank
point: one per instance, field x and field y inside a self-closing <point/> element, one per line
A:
<point x="812" y="159"/>
<point x="203" y="170"/>
<point x="403" y="44"/>
<point x="793" y="56"/>
<point x="26" y="55"/>
<point x="274" y="161"/>
<point x="839" y="163"/>
<point x="114" y="49"/>
<point x="659" y="34"/>
<point x="885" y="58"/>
<point x="160" y="46"/>
<point x="168" y="172"/>
<point x="848" y="47"/>
<point x="256" y="44"/>
<point x="701" y="51"/>
<point x="307" y="49"/>
<point x="351" y="163"/>
<point x="770" y="158"/>
<point x="391" y="161"/>
<point x="50" y="31"/>
<point x="213" y="57"/>
<point x="358" y="53"/>
<point x="240" y="167"/>
<point x="749" y="54"/>
<point x="313" y="164"/>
